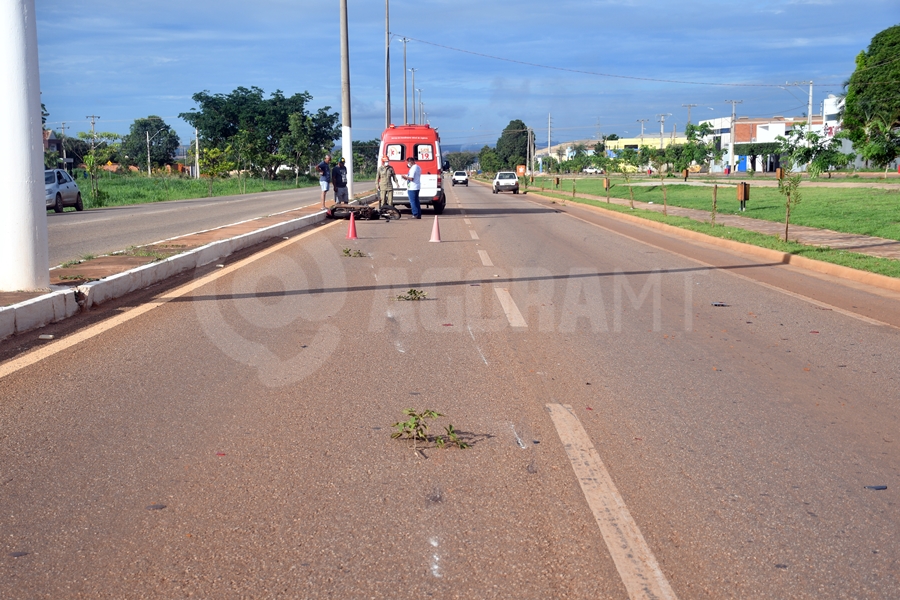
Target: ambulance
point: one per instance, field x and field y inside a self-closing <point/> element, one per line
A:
<point x="422" y="142"/>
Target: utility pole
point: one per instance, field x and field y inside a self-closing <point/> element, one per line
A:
<point x="413" y="71"/>
<point x="149" y="174"/>
<point x="662" y="125"/>
<point x="23" y="229"/>
<point x="405" y="93"/>
<point x="93" y="119"/>
<point x="196" y="153"/>
<point x="387" y="63"/>
<point x="689" y="107"/>
<point x="549" y="129"/>
<point x="346" y="125"/>
<point x="733" y="103"/>
<point x="421" y="108"/>
<point x="642" y="121"/>
<point x="63" y="143"/>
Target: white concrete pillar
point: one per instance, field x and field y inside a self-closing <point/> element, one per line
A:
<point x="24" y="262"/>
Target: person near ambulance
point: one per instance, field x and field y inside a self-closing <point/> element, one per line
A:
<point x="385" y="182"/>
<point x="339" y="181"/>
<point x="413" y="185"/>
<point x="324" y="176"/>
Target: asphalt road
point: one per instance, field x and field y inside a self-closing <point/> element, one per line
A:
<point x="73" y="235"/>
<point x="234" y="440"/>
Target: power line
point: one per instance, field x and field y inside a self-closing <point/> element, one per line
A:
<point x="632" y="77"/>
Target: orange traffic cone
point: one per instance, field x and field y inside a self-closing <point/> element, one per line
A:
<point x="435" y="231"/>
<point x="351" y="232"/>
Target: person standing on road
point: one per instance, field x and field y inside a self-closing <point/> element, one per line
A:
<point x="339" y="181"/>
<point x="324" y="176"/>
<point x="385" y="182"/>
<point x="413" y="185"/>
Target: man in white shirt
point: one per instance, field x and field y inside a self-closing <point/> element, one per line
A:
<point x="413" y="186"/>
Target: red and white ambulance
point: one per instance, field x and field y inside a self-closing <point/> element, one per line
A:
<point x="422" y="142"/>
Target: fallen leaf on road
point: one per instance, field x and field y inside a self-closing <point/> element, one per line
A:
<point x="814" y="332"/>
<point x="589" y="408"/>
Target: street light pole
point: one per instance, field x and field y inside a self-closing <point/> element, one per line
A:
<point x="387" y="64"/>
<point x="346" y="125"/>
<point x="733" y="103"/>
<point x="23" y="229"/>
<point x="405" y="93"/>
<point x="662" y="125"/>
<point x="642" y="121"/>
<point x="413" y="71"/>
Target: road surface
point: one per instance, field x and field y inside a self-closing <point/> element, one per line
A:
<point x="647" y="418"/>
<point x="73" y="235"/>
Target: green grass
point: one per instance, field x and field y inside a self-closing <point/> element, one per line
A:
<point x="132" y="188"/>
<point x="872" y="264"/>
<point x="864" y="211"/>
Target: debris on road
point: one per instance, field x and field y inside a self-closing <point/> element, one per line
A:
<point x="719" y="304"/>
<point x="876" y="487"/>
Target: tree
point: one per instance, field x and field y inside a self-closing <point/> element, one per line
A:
<point x="164" y="143"/>
<point x="512" y="146"/>
<point x="490" y="161"/>
<point x="103" y="148"/>
<point x="789" y="187"/>
<point x="459" y="161"/>
<point x="873" y="90"/>
<point x="817" y="152"/>
<point x="214" y="163"/>
<point x="880" y="144"/>
<point x="265" y="123"/>
<point x="626" y="163"/>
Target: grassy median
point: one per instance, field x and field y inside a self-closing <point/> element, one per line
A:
<point x="122" y="189"/>
<point x="865" y="211"/>
<point x="863" y="262"/>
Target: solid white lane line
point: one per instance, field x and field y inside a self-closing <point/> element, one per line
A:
<point x="513" y="315"/>
<point x="473" y="234"/>
<point x="633" y="558"/>
<point x="485" y="259"/>
<point x="49" y="350"/>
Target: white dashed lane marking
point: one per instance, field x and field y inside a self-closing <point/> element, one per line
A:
<point x="633" y="558"/>
<point x="513" y="315"/>
<point x="473" y="234"/>
<point x="485" y="259"/>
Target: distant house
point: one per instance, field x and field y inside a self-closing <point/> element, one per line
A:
<point x="51" y="142"/>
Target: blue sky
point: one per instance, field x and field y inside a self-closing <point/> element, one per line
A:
<point x="127" y="60"/>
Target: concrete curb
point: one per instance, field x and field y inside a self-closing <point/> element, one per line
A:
<point x="874" y="279"/>
<point x="58" y="305"/>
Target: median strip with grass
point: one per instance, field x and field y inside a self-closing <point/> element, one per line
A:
<point x="872" y="264"/>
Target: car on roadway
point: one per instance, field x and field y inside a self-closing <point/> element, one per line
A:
<point x="506" y="181"/>
<point x="61" y="191"/>
<point x="460" y="177"/>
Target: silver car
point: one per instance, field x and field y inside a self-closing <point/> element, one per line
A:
<point x="61" y="190"/>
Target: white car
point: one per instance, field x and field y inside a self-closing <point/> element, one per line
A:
<point x="506" y="181"/>
<point x="460" y="177"/>
<point x="592" y="170"/>
<point x="61" y="190"/>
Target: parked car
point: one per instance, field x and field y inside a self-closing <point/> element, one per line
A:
<point x="461" y="177"/>
<point x="506" y="181"/>
<point x="61" y="190"/>
<point x="593" y="170"/>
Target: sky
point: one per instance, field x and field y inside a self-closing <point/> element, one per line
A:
<point x="589" y="67"/>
